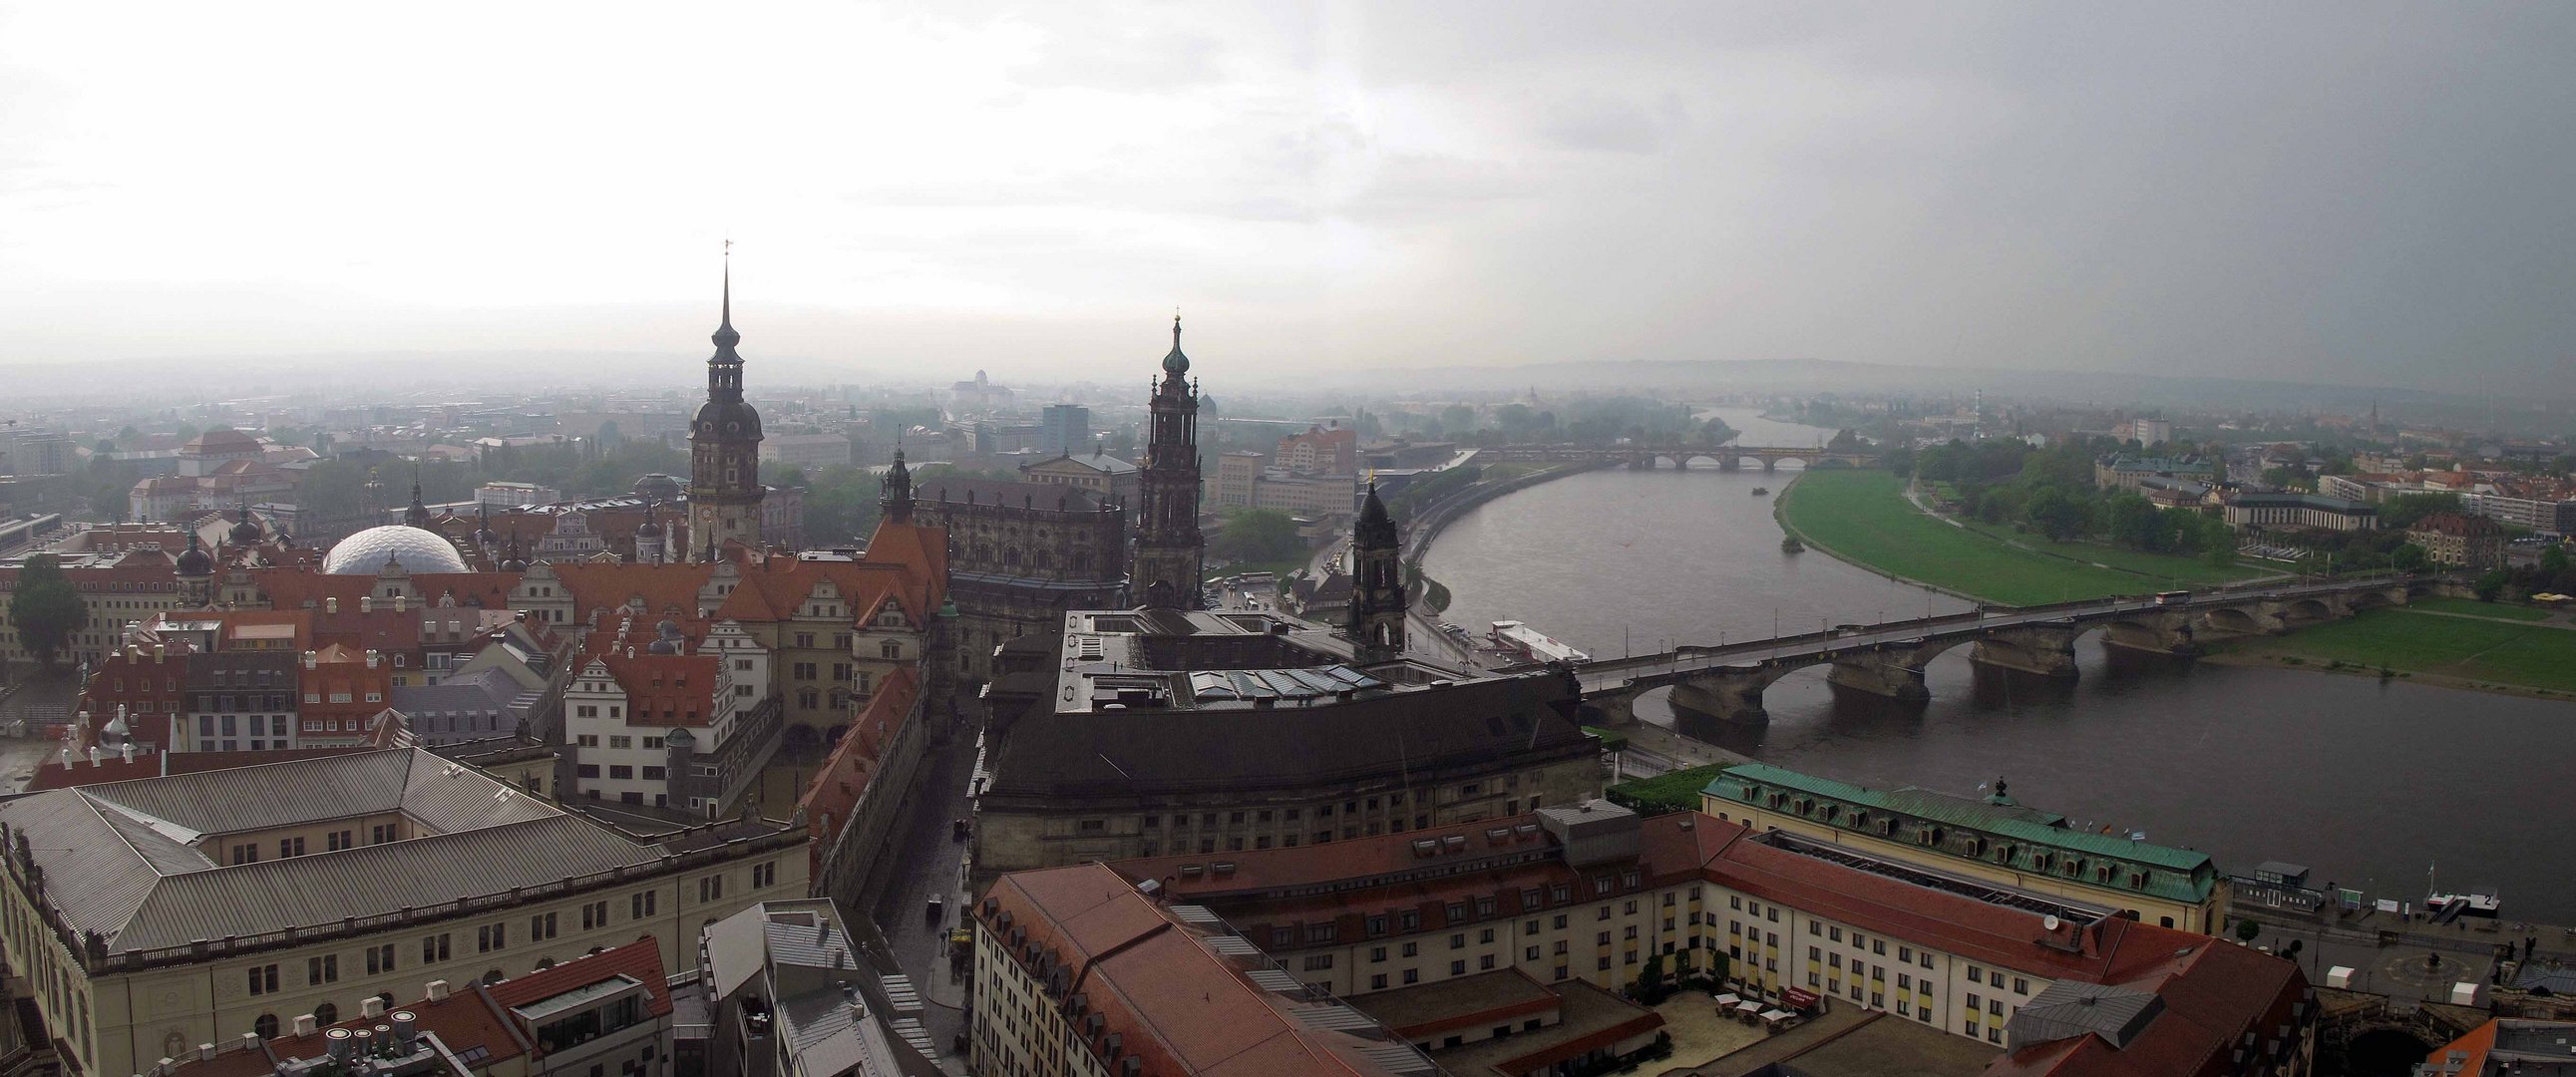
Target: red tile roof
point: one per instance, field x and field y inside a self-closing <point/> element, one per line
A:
<point x="1176" y="1004"/>
<point x="828" y="802"/>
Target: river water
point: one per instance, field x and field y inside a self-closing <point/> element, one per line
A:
<point x="2370" y="784"/>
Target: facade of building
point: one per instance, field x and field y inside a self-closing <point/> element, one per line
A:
<point x="159" y="914"/>
<point x="2122" y="471"/>
<point x="1171" y="553"/>
<point x="1592" y="893"/>
<point x="1236" y="471"/>
<point x="1021" y="554"/>
<point x="607" y="1008"/>
<point x="1310" y="496"/>
<point x="662" y="717"/>
<point x="1063" y="428"/>
<point x="2458" y="540"/>
<point x="1154" y="731"/>
<point x="809" y="451"/>
<point x="1994" y="839"/>
<point x="1074" y="968"/>
<point x="1333" y="451"/>
<point x="724" y="448"/>
<point x="1105" y="477"/>
<point x="2296" y="510"/>
<point x="2545" y="515"/>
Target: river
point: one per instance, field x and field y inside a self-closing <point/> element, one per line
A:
<point x="2370" y="784"/>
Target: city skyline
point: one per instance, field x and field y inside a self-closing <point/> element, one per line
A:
<point x="2298" y="194"/>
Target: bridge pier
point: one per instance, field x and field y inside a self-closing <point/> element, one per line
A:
<point x="2166" y="633"/>
<point x="2044" y="649"/>
<point x="1894" y="671"/>
<point x="1728" y="694"/>
<point x="1769" y="464"/>
<point x="1730" y="462"/>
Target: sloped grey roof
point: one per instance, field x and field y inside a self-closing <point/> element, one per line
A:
<point x="322" y="888"/>
<point x="129" y="860"/>
<point x="2067" y="1009"/>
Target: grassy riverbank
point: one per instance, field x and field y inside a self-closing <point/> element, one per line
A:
<point x="2446" y="644"/>
<point x="1863" y="517"/>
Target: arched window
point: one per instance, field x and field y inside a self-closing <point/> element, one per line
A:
<point x="266" y="1027"/>
<point x="326" y="1014"/>
<point x="544" y="963"/>
<point x="492" y="976"/>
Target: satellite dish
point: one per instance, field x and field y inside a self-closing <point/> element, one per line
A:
<point x="2048" y="923"/>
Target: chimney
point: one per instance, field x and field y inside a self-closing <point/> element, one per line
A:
<point x="159" y="652"/>
<point x="312" y="659"/>
<point x="366" y="604"/>
<point x="406" y="1030"/>
<point x="342" y="1041"/>
<point x="437" y="991"/>
<point x="373" y="658"/>
<point x="93" y="755"/>
<point x="205" y="1052"/>
<point x="126" y="750"/>
<point x="331" y="605"/>
<point x="398" y="603"/>
<point x="304" y="1024"/>
<point x="373" y="1007"/>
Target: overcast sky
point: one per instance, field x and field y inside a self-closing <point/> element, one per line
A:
<point x="2379" y="193"/>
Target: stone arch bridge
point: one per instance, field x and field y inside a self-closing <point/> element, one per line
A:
<point x="1888" y="659"/>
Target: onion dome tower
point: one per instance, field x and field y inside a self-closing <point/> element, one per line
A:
<point x="1170" y="550"/>
<point x="195" y="569"/>
<point x="894" y="495"/>
<point x="649" y="544"/>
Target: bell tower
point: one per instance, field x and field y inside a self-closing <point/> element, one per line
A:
<point x="1375" y="622"/>
<point x="724" y="447"/>
<point x="1170" y="550"/>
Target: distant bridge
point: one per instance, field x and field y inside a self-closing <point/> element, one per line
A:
<point x="1888" y="659"/>
<point x="1647" y="457"/>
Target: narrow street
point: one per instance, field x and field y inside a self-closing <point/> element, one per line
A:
<point x="930" y="861"/>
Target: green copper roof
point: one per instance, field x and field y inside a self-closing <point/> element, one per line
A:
<point x="2187" y="875"/>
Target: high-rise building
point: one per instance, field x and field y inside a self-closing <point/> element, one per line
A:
<point x="1063" y="428"/>
<point x="1170" y="550"/>
<point x="724" y="449"/>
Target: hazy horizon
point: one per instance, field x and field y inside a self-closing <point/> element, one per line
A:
<point x="2362" y="194"/>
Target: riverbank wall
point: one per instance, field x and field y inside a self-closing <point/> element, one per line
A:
<point x="1421" y="531"/>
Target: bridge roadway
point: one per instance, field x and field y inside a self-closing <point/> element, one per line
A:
<point x="1888" y="658"/>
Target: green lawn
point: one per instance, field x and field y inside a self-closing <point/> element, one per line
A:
<point x="2531" y="656"/>
<point x="2186" y="571"/>
<point x="2475" y="608"/>
<point x="1863" y="517"/>
<point x="1676" y="790"/>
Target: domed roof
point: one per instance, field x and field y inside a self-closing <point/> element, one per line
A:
<point x="365" y="553"/>
<point x="195" y="561"/>
<point x="1176" y="363"/>
<point x="245" y="532"/>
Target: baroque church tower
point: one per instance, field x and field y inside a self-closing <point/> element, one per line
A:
<point x="1375" y="622"/>
<point x="1170" y="551"/>
<point x="724" y="449"/>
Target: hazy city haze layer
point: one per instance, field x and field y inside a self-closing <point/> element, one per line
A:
<point x="2364" y="193"/>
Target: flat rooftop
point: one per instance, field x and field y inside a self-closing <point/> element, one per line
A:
<point x="1893" y="1046"/>
<point x="1586" y="1011"/>
<point x="1434" y="1005"/>
<point x="1155" y="659"/>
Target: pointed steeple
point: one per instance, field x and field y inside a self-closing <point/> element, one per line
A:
<point x="1375" y="619"/>
<point x="418" y="514"/>
<point x="895" y="497"/>
<point x="725" y="337"/>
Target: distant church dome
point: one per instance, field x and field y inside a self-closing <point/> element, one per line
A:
<point x="365" y="553"/>
<point x="195" y="561"/>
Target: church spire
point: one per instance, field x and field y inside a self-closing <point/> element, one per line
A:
<point x="725" y="336"/>
<point x="895" y="500"/>
<point x="1375" y="618"/>
<point x="418" y="514"/>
